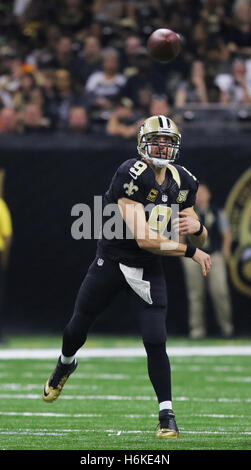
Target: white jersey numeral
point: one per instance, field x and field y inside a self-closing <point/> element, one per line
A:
<point x="137" y="169"/>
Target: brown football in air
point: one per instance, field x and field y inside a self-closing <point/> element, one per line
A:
<point x="164" y="45"/>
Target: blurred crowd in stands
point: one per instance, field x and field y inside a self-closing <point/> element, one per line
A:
<point x="81" y="66"/>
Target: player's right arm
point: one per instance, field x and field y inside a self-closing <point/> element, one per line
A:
<point x="134" y="216"/>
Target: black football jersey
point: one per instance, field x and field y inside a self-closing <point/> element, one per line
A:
<point x="135" y="180"/>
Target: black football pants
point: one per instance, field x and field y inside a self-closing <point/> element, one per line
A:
<point x="100" y="285"/>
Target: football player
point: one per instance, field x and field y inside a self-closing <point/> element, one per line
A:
<point x="135" y="262"/>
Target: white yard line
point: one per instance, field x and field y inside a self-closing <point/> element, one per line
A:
<point x="221" y="416"/>
<point x="229" y="379"/>
<point x="33" y="396"/>
<point x="49" y="415"/>
<point x="112" y="432"/>
<point x="127" y="352"/>
<point x="90" y="415"/>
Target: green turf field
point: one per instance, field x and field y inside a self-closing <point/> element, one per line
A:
<point x="108" y="403"/>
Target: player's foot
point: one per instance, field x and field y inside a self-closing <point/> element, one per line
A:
<point x="56" y="381"/>
<point x="167" y="427"/>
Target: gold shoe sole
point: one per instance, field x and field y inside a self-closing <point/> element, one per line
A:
<point x="165" y="434"/>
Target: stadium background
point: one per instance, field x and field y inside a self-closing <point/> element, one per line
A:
<point x="49" y="169"/>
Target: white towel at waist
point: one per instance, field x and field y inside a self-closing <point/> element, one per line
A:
<point x="134" y="277"/>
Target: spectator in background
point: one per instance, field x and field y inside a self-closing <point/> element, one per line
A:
<point x="124" y="121"/>
<point x="217" y="60"/>
<point x="64" y="56"/>
<point x="193" y="90"/>
<point x="32" y="23"/>
<point x="5" y="244"/>
<point x="144" y="100"/>
<point x="23" y="95"/>
<point x="31" y="119"/>
<point x="147" y="15"/>
<point x="103" y="88"/>
<point x="212" y="14"/>
<point x="49" y="35"/>
<point x="19" y="6"/>
<point x="47" y="80"/>
<point x="133" y="44"/>
<point x="73" y="15"/>
<point x="159" y="105"/>
<point x="218" y="246"/>
<point x="198" y="41"/>
<point x="235" y="88"/>
<point x="8" y="121"/>
<point x="126" y="28"/>
<point x="238" y="37"/>
<point x="78" y="121"/>
<point x="110" y="10"/>
<point x="10" y="77"/>
<point x="36" y="97"/>
<point x="180" y="13"/>
<point x="42" y="57"/>
<point x="146" y="77"/>
<point x="89" y="61"/>
<point x="65" y="97"/>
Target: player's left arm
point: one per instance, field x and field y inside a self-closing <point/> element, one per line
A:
<point x="188" y="224"/>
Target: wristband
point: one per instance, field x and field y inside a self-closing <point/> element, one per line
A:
<point x="199" y="232"/>
<point x="190" y="250"/>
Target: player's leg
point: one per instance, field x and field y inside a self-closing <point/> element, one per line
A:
<point x="196" y="292"/>
<point x="152" y="323"/>
<point x="220" y="294"/>
<point x="101" y="283"/>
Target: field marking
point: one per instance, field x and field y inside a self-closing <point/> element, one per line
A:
<point x="18" y="387"/>
<point x="114" y="432"/>
<point x="91" y="415"/>
<point x="34" y="433"/>
<point x="33" y="396"/>
<point x="221" y="416"/>
<point x="127" y="352"/>
<point x="50" y="415"/>
<point x="229" y="379"/>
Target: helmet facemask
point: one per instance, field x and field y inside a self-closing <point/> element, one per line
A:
<point x="148" y="139"/>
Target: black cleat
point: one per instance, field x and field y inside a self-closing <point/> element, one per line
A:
<point x="56" y="381"/>
<point x="167" y="427"/>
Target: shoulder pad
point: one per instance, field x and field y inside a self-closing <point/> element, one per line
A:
<point x="133" y="168"/>
<point x="129" y="180"/>
<point x="124" y="168"/>
<point x="186" y="177"/>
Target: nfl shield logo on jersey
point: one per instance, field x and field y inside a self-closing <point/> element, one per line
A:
<point x="100" y="262"/>
<point x="164" y="198"/>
